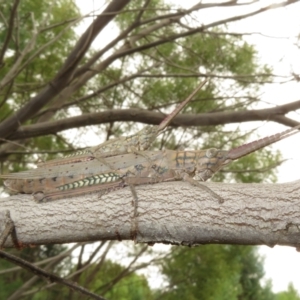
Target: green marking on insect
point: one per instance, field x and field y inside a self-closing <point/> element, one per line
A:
<point x="93" y="180"/>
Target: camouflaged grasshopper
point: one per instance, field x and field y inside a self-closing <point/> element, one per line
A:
<point x="134" y="143"/>
<point x="59" y="181"/>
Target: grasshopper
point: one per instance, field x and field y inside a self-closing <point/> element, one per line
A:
<point x="134" y="143"/>
<point x="57" y="181"/>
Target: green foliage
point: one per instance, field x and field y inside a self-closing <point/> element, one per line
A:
<point x="12" y="280"/>
<point x="9" y="282"/>
<point x="214" y="272"/>
<point x="131" y="287"/>
<point x="205" y="272"/>
<point x="101" y="279"/>
<point x="290" y="294"/>
<point x="209" y="52"/>
<point x="212" y="51"/>
<point x="47" y="20"/>
<point x="155" y="8"/>
<point x="255" y="167"/>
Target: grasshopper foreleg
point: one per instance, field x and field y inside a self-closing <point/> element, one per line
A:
<point x="186" y="177"/>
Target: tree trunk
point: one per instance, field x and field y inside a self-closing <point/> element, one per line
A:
<point x="174" y="212"/>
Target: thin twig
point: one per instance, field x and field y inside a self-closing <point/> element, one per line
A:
<point x="47" y="275"/>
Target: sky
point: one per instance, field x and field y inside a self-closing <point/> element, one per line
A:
<point x="274" y="36"/>
<point x="283" y="25"/>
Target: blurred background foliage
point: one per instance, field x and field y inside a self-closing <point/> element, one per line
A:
<point x="152" y="79"/>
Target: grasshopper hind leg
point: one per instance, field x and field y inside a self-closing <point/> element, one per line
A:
<point x="88" y="185"/>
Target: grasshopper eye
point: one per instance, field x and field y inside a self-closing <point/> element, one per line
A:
<point x="211" y="152"/>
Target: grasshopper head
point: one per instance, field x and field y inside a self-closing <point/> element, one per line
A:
<point x="209" y="162"/>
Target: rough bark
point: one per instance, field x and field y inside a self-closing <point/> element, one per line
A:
<point x="176" y="212"/>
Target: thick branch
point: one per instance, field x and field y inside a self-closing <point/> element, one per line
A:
<point x="149" y="117"/>
<point x="9" y="31"/>
<point x="129" y="48"/>
<point x="175" y="212"/>
<point x="64" y="76"/>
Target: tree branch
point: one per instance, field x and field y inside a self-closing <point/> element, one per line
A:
<point x="9" y="31"/>
<point x="174" y="212"/>
<point x="129" y="48"/>
<point x="47" y="275"/>
<point x="150" y="117"/>
<point x="63" y="76"/>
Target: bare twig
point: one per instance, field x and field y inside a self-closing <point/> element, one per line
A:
<point x="56" y="258"/>
<point x="106" y="287"/>
<point x="72" y="275"/>
<point x="14" y="70"/>
<point x="47" y="275"/>
<point x="10" y="31"/>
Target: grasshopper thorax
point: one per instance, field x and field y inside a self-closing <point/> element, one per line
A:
<point x="209" y="162"/>
<point x="146" y="137"/>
